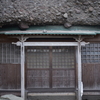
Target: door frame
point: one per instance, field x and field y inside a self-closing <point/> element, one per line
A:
<point x="78" y="44"/>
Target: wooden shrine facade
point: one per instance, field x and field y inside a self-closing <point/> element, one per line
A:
<point x="46" y="63"/>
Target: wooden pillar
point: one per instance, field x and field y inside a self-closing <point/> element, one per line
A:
<point x="79" y="71"/>
<point x="22" y="71"/>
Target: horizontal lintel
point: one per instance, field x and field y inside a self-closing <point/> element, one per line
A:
<point x="71" y="32"/>
<point x="50" y="43"/>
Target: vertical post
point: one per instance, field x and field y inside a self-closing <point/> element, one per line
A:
<point x="79" y="71"/>
<point x="22" y="71"/>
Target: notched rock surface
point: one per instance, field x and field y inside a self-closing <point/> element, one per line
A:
<point x="39" y="12"/>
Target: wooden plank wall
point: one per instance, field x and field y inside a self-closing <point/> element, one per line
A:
<point x="91" y="76"/>
<point x="10" y="76"/>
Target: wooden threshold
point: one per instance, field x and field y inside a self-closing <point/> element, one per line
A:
<point x="10" y="90"/>
<point x="52" y="94"/>
<point x="49" y="90"/>
<point x="91" y="93"/>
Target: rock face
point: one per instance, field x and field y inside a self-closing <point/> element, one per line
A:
<point x="40" y="12"/>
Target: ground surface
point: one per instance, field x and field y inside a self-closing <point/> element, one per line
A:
<point x="36" y="12"/>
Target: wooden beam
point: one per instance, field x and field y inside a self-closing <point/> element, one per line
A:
<point x="79" y="72"/>
<point x="52" y="94"/>
<point x="56" y="32"/>
<point x="10" y="90"/>
<point x="22" y="71"/>
<point x="50" y="43"/>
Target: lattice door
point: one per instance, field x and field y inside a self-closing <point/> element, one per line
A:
<point x="63" y="65"/>
<point x="38" y="67"/>
<point x="50" y="67"/>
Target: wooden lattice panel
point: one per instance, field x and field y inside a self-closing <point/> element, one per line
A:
<point x="9" y="53"/>
<point x="63" y="57"/>
<point x="38" y="57"/>
<point x="63" y="78"/>
<point x="91" y="53"/>
<point x="38" y="79"/>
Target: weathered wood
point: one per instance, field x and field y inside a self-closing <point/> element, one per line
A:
<point x="63" y="78"/>
<point x="91" y="76"/>
<point x="91" y="93"/>
<point x="22" y="70"/>
<point x="52" y="94"/>
<point x="50" y="43"/>
<point x="79" y="71"/>
<point x="54" y="65"/>
<point x="9" y="76"/>
<point x="37" y="79"/>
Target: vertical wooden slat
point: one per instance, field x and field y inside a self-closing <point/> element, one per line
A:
<point x="50" y="66"/>
<point x="6" y="76"/>
<point x="18" y="74"/>
<point x="97" y="75"/>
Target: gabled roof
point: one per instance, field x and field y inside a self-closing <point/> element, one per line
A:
<point x="75" y="30"/>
